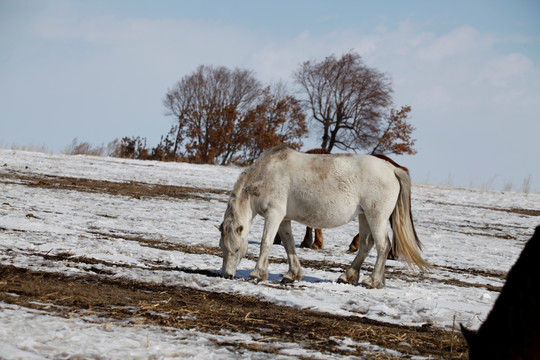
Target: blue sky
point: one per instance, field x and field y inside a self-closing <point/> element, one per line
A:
<point x="98" y="70"/>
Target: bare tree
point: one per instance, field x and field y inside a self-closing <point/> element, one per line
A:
<point x="208" y="105"/>
<point x="349" y="100"/>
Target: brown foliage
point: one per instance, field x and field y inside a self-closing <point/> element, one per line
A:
<point x="396" y="138"/>
<point x="164" y="150"/>
<point x="136" y="148"/>
<point x="277" y="119"/>
<point x="133" y="148"/>
<point x="224" y="116"/>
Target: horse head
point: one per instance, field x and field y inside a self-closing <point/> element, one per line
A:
<point x="233" y="242"/>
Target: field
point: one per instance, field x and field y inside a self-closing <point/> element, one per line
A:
<point x="109" y="258"/>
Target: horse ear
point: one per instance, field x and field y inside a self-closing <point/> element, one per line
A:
<point x="468" y="334"/>
<point x="239" y="229"/>
<point x="220" y="227"/>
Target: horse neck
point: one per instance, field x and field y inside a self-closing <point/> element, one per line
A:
<point x="241" y="210"/>
<point x="240" y="200"/>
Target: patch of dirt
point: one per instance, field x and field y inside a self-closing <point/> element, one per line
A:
<point x="132" y="189"/>
<point x="133" y="303"/>
<point x="527" y="212"/>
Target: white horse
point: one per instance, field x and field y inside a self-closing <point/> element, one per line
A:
<point x="320" y="191"/>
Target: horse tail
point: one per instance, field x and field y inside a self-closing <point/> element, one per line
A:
<point x="406" y="240"/>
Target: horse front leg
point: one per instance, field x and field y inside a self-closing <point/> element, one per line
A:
<point x="271" y="225"/>
<point x="295" y="270"/>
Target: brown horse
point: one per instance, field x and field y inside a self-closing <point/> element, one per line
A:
<point x="319" y="238"/>
<point x="512" y="328"/>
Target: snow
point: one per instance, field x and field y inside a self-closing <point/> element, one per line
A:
<point x="24" y="338"/>
<point x="461" y="229"/>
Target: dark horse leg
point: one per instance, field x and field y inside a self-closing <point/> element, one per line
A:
<point x="308" y="238"/>
<point x="353" y="247"/>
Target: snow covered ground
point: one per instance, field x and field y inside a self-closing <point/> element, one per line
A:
<point x="471" y="237"/>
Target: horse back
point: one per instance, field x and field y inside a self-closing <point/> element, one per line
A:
<point x="324" y="174"/>
<point x="324" y="190"/>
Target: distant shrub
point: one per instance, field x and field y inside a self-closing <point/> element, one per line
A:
<point x="133" y="148"/>
<point x="136" y="148"/>
<point x="164" y="151"/>
<point x="83" y="148"/>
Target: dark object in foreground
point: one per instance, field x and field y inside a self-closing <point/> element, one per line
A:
<point x="512" y="328"/>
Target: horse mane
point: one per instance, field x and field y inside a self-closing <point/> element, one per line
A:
<point x="318" y="151"/>
<point x="242" y="188"/>
<point x="254" y="170"/>
<point x="386" y="158"/>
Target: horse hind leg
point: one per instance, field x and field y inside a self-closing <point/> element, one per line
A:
<point x="354" y="246"/>
<point x="295" y="270"/>
<point x="365" y="243"/>
<point x="382" y="243"/>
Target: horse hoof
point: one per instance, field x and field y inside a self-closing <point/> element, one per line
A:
<point x="352" y="250"/>
<point x="286" y="281"/>
<point x="228" y="277"/>
<point x="372" y="284"/>
<point x="340" y="280"/>
<point x="254" y="279"/>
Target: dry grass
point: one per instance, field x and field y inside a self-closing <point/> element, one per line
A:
<point x="31" y="147"/>
<point x="131" y="303"/>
